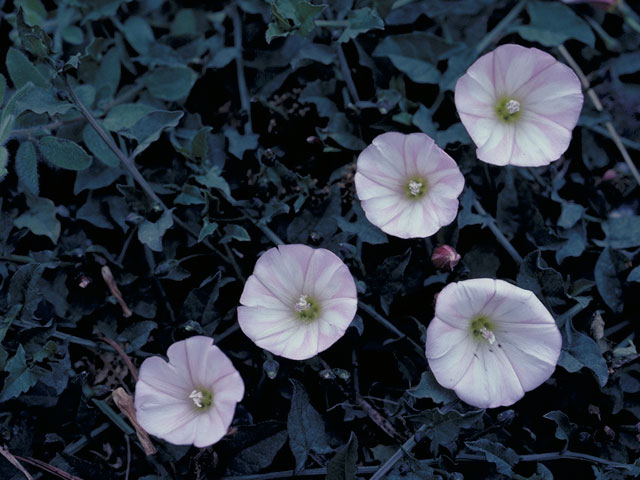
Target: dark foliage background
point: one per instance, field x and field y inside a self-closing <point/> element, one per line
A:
<point x="242" y="144"/>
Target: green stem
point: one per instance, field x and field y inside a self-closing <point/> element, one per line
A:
<point x="333" y="23"/>
<point x="498" y="29"/>
<point x="388" y="325"/>
<point x="393" y="459"/>
<point x="502" y="240"/>
<point x="242" y="81"/>
<point x="309" y="472"/>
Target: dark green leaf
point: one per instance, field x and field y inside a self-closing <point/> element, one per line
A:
<point x="502" y="457"/>
<point x="257" y="456"/>
<point x="292" y="16"/>
<point x="27" y="167"/>
<point x="581" y="351"/>
<point x="343" y="466"/>
<point x="150" y="233"/>
<point x="20" y="378"/>
<point x="170" y="83"/>
<point x="40" y="218"/>
<point x="64" y="153"/>
<point x="553" y="23"/>
<point x="305" y="426"/>
<point x="429" y="388"/>
<point x="21" y="70"/>
<point x="607" y="276"/>
<point x="445" y="426"/>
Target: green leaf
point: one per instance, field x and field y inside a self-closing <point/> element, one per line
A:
<point x="239" y="143"/>
<point x="305" y="426"/>
<point x="607" y="271"/>
<point x="411" y="54"/>
<point x="502" y="457"/>
<point x="170" y="83"/>
<point x="564" y="427"/>
<point x="21" y="70"/>
<point x="553" y="23"/>
<point x="149" y="128"/>
<point x="33" y="38"/>
<point x="64" y="153"/>
<point x="445" y="426"/>
<point x="235" y="232"/>
<point x="292" y="16"/>
<point x="213" y="179"/>
<point x="108" y="74"/>
<point x="546" y="282"/>
<point x="361" y="20"/>
<point x="40" y="219"/>
<point x="150" y="233"/>
<point x="258" y="456"/>
<point x="139" y="34"/>
<point x="98" y="147"/>
<point x="3" y="87"/>
<point x="4" y="160"/>
<point x="634" y="276"/>
<point x="40" y="100"/>
<point x="621" y="232"/>
<point x="27" y="167"/>
<point x="581" y="351"/>
<point x="430" y="388"/>
<point x="95" y="177"/>
<point x="207" y="229"/>
<point x="20" y="378"/>
<point x="343" y="466"/>
<point x="125" y="115"/>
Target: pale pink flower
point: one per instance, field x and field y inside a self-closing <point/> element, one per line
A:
<point x="408" y="186"/>
<point x="519" y="106"/>
<point x="298" y="302"/>
<point x="445" y="257"/>
<point x="191" y="399"/>
<point x="491" y="342"/>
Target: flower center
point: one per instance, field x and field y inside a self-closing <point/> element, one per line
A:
<point x="482" y="329"/>
<point x="415" y="188"/>
<point x="201" y="398"/>
<point x="306" y="309"/>
<point x="508" y="109"/>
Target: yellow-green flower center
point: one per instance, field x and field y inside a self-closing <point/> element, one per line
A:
<point x="415" y="188"/>
<point x="482" y="329"/>
<point x="508" y="109"/>
<point x="307" y="309"/>
<point x="201" y="398"/>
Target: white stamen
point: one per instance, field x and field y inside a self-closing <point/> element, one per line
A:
<point x="513" y="107"/>
<point x="488" y="335"/>
<point x="302" y="304"/>
<point x="415" y="187"/>
<point x="197" y="397"/>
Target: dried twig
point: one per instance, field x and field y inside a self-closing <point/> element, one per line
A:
<point x="48" y="468"/>
<point x="124" y="402"/>
<point x="132" y="368"/>
<point x="115" y="291"/>
<point x="4" y="451"/>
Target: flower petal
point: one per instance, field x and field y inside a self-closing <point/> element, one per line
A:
<point x="450" y="351"/>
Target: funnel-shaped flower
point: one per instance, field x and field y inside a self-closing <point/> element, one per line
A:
<point x="491" y="342"/>
<point x="408" y="186"/>
<point x="192" y="398"/>
<point x="298" y="302"/>
<point x="519" y="106"/>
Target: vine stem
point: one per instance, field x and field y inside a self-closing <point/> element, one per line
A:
<point x="502" y="24"/>
<point x="388" y="325"/>
<point x="310" y="472"/>
<point x="506" y="244"/>
<point x="346" y="73"/>
<point x="242" y="81"/>
<point x="593" y="96"/>
<point x="393" y="459"/>
<point x="140" y="180"/>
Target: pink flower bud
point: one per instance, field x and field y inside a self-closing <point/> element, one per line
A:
<point x="445" y="258"/>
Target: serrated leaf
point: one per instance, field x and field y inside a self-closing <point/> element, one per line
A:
<point x="150" y="233"/>
<point x="64" y="153"/>
<point x="26" y="165"/>
<point x="305" y="426"/>
<point x="20" y="378"/>
<point x="343" y="465"/>
<point x="40" y="218"/>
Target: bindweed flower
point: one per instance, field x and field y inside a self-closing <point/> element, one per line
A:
<point x="491" y="342"/>
<point x="408" y="186"/>
<point x="298" y="302"/>
<point x="445" y="257"/>
<point x="192" y="398"/>
<point x="519" y="106"/>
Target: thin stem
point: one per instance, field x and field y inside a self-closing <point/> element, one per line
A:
<point x="598" y="104"/>
<point x="502" y="24"/>
<point x="137" y="176"/>
<point x="309" y="472"/>
<point x="625" y="141"/>
<point x="346" y="73"/>
<point x="333" y="23"/>
<point x="393" y="459"/>
<point x="242" y="81"/>
<point x="498" y="233"/>
<point x="270" y="234"/>
<point x="388" y="325"/>
<point x="67" y="337"/>
<point x="17" y="258"/>
<point x="543" y="457"/>
<point x="232" y="329"/>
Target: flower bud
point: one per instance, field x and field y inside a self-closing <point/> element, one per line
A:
<point x="445" y="257"/>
